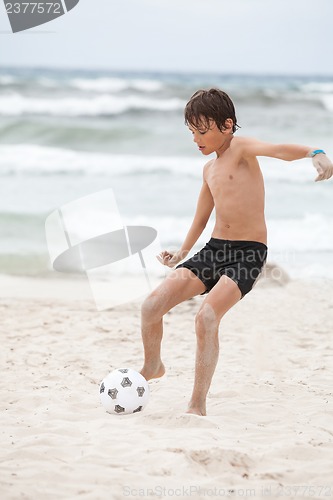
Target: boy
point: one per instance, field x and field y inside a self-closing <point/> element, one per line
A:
<point x="230" y="263"/>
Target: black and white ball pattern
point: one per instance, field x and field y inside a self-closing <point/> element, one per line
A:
<point x="124" y="391"/>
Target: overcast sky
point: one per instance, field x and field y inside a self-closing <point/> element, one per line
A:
<point x="239" y="36"/>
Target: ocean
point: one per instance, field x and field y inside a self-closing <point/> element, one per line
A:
<point x="67" y="134"/>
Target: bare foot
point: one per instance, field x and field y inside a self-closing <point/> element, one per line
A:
<point x="153" y="371"/>
<point x="197" y="410"/>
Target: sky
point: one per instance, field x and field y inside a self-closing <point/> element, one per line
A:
<point x="224" y="36"/>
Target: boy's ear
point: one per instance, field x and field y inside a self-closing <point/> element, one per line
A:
<point x="228" y="124"/>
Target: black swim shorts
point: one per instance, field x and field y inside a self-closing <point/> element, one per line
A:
<point x="240" y="260"/>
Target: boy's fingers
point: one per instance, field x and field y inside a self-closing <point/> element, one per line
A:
<point x="324" y="177"/>
<point x="165" y="259"/>
<point x="324" y="168"/>
<point x="329" y="172"/>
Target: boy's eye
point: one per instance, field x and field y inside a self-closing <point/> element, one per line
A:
<point x="202" y="132"/>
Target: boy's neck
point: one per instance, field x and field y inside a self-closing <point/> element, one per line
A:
<point x="219" y="152"/>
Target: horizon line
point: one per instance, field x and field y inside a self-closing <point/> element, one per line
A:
<point x="165" y="71"/>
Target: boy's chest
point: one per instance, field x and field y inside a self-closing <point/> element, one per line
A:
<point x="227" y="178"/>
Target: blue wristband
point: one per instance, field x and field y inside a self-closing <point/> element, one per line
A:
<point x="316" y="152"/>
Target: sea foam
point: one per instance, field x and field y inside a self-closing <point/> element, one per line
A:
<point x="15" y="104"/>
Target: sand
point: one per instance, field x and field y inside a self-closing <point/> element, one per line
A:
<point x="269" y="428"/>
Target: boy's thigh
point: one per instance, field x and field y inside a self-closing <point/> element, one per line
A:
<point x="223" y="296"/>
<point x="181" y="284"/>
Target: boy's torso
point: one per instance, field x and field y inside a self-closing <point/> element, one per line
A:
<point x="237" y="187"/>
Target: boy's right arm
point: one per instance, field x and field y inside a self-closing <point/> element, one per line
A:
<point x="204" y="208"/>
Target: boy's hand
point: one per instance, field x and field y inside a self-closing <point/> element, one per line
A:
<point x="323" y="165"/>
<point x="170" y="259"/>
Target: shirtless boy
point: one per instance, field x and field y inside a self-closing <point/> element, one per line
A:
<point x="229" y="264"/>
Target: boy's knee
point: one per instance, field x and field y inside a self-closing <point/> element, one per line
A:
<point x="206" y="320"/>
<point x="151" y="307"/>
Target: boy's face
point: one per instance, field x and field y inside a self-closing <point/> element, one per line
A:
<point x="210" y="140"/>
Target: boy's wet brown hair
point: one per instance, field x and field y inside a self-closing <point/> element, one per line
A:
<point x="213" y="104"/>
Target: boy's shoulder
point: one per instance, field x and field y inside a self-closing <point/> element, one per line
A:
<point x="243" y="146"/>
<point x="207" y="166"/>
<point x="241" y="141"/>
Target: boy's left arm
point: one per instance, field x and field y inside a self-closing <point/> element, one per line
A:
<point x="290" y="152"/>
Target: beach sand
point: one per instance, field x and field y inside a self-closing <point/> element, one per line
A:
<point x="269" y="428"/>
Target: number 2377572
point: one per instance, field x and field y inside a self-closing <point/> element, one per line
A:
<point x="33" y="8"/>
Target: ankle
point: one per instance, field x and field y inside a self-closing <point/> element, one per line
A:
<point x="154" y="370"/>
<point x="196" y="409"/>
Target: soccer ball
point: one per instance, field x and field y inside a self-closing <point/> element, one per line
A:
<point x="124" y="391"/>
